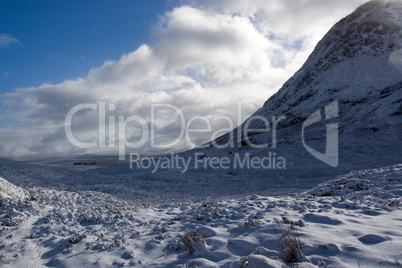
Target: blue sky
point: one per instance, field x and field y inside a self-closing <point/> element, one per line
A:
<point x="202" y="57"/>
<point x="62" y="40"/>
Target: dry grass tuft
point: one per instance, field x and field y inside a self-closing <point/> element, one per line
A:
<point x="192" y="240"/>
<point x="252" y="223"/>
<point x="290" y="248"/>
<point x="397" y="263"/>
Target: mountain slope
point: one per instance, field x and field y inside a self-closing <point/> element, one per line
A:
<point x="356" y="67"/>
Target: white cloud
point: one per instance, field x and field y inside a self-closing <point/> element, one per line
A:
<point x="7" y="39"/>
<point x="204" y="59"/>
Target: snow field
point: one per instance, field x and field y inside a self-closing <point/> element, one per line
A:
<point x="349" y="221"/>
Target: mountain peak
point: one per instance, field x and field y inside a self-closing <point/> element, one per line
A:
<point x="372" y="29"/>
<point x="370" y="36"/>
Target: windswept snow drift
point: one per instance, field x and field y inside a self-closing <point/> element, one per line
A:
<point x="8" y="189"/>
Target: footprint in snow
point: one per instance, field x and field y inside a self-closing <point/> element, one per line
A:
<point x="321" y="219"/>
<point x="370" y="239"/>
<point x="240" y="247"/>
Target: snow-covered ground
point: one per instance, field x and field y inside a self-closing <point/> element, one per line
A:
<point x="353" y="220"/>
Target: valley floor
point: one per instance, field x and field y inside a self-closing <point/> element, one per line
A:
<point x="354" y="220"/>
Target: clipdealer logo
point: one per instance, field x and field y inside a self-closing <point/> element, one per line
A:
<point x="148" y="135"/>
<point x="331" y="155"/>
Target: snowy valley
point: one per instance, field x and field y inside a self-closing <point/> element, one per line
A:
<point x="323" y="209"/>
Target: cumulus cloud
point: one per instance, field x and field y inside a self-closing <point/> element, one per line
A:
<point x="202" y="59"/>
<point x="7" y="39"/>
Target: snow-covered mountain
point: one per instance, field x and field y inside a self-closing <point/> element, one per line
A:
<point x="355" y="72"/>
